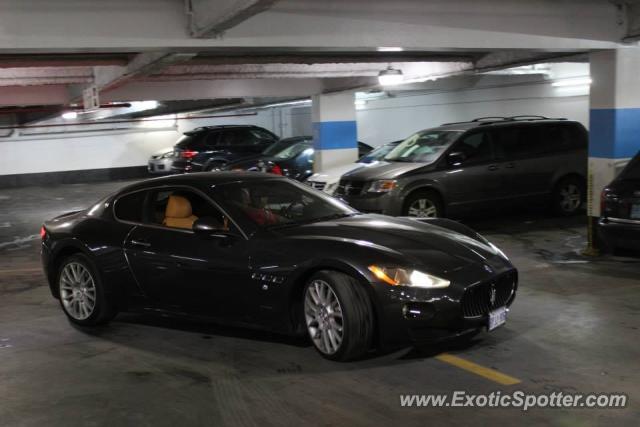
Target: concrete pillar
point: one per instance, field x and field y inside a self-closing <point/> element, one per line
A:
<point x="614" y="118"/>
<point x="335" y="136"/>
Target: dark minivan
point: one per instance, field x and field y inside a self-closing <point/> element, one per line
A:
<point x="212" y="147"/>
<point x="459" y="168"/>
<point x="619" y="224"/>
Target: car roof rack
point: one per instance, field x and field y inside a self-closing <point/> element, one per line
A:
<point x="497" y="119"/>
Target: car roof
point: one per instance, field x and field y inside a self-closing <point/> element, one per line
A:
<point x="201" y="179"/>
<point x="499" y="122"/>
<point x="220" y="127"/>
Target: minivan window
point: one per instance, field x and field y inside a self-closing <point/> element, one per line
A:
<point x="476" y="148"/>
<point x="425" y="146"/>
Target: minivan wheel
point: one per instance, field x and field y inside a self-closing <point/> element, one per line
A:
<point x="338" y="315"/>
<point x="569" y="196"/>
<point x="423" y="204"/>
<point x="82" y="295"/>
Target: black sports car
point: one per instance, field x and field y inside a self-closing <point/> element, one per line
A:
<point x="265" y="251"/>
<point x="293" y="161"/>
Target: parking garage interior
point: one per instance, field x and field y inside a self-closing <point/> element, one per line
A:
<point x="94" y="96"/>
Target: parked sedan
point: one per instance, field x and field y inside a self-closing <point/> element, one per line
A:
<point x="619" y="224"/>
<point x="161" y="161"/>
<point x="268" y="252"/>
<point x="293" y="161"/>
<point x="328" y="180"/>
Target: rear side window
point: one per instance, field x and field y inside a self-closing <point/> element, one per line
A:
<point x="632" y="170"/>
<point x="519" y="142"/>
<point x="195" y="142"/>
<point x="130" y="207"/>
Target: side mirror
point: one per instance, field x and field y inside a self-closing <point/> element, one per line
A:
<point x="209" y="227"/>
<point x="456" y="158"/>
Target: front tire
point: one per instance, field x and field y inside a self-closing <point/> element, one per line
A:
<point x="83" y="296"/>
<point x="423" y="204"/>
<point x="338" y="316"/>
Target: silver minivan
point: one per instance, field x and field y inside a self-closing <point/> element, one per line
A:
<point x="460" y="168"/>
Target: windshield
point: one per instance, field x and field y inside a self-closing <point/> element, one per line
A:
<point x="294" y="151"/>
<point x="274" y="203"/>
<point x="425" y="146"/>
<point x="377" y="154"/>
<point x="277" y="147"/>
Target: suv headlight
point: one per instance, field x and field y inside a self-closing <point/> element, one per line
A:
<point x="408" y="277"/>
<point x="382" y="186"/>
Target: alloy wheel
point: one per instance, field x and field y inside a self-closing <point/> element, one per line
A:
<point x="77" y="291"/>
<point x="323" y="315"/>
<point x="423" y="208"/>
<point x="570" y="198"/>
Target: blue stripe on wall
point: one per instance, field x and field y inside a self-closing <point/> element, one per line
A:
<point x="614" y="133"/>
<point x="335" y="135"/>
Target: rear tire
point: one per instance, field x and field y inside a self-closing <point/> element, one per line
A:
<point x="215" y="166"/>
<point x="338" y="316"/>
<point x="83" y="296"/>
<point x="569" y="195"/>
<point x="423" y="204"/>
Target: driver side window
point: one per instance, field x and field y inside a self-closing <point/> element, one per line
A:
<point x="476" y="148"/>
<point x="180" y="208"/>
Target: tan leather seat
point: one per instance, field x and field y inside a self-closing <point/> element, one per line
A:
<point x="178" y="213"/>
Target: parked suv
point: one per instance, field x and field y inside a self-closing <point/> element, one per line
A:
<point x="619" y="225"/>
<point x="459" y="168"/>
<point x="212" y="147"/>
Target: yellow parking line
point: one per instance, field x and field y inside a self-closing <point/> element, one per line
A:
<point x="483" y="371"/>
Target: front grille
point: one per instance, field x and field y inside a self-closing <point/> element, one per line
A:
<point x="317" y="185"/>
<point x="349" y="188"/>
<point x="477" y="300"/>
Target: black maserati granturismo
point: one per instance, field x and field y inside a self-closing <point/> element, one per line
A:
<point x="265" y="251"/>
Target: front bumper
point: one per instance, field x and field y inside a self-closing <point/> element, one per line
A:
<point x="380" y="203"/>
<point x="411" y="315"/>
<point x="617" y="234"/>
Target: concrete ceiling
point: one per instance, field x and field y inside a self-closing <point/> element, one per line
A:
<point x="175" y="51"/>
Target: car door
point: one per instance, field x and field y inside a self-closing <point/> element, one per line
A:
<point x="526" y="155"/>
<point x="476" y="180"/>
<point x="182" y="270"/>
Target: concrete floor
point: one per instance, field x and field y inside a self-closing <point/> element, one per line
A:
<point x="573" y="328"/>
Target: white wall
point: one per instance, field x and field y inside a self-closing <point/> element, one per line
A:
<point x="379" y="122"/>
<point x="392" y="119"/>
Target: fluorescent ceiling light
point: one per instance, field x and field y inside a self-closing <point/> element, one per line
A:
<point x="573" y="81"/>
<point x="144" y="105"/>
<point x="390" y="77"/>
<point x="390" y="49"/>
<point x="69" y="115"/>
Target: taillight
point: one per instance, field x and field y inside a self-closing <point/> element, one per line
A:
<point x="188" y="154"/>
<point x="603" y="201"/>
<point x="43" y="232"/>
<point x="276" y="169"/>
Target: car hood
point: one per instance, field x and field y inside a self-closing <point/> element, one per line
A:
<point x="438" y="249"/>
<point x="384" y="170"/>
<point x="335" y="173"/>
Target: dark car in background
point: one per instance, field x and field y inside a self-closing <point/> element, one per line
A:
<point x="271" y="253"/>
<point x="293" y="161"/>
<point x="212" y="147"/>
<point x="487" y="163"/>
<point x="619" y="224"/>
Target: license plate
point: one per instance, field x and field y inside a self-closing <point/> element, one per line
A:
<point x="635" y="211"/>
<point x="497" y="317"/>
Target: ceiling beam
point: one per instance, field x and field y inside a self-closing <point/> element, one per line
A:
<point x="211" y="18"/>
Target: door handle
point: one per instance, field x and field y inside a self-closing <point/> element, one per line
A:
<point x="493" y="167"/>
<point x="141" y="243"/>
<point x="509" y="165"/>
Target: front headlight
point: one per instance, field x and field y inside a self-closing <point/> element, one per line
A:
<point x="408" y="277"/>
<point x="382" y="186"/>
